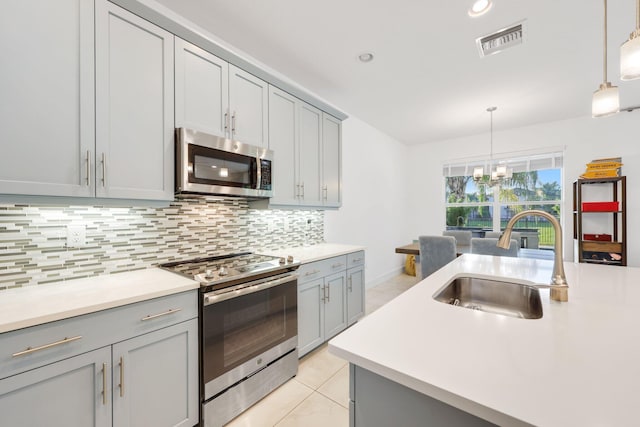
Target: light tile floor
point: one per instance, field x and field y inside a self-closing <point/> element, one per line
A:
<point x="319" y="395"/>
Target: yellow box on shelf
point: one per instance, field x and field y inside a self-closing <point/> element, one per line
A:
<point x="607" y="173"/>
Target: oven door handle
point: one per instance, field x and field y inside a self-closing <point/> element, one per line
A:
<point x="249" y="288"/>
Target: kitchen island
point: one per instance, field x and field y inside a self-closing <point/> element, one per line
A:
<point x="577" y="365"/>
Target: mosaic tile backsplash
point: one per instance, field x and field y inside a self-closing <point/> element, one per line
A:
<point x="33" y="239"/>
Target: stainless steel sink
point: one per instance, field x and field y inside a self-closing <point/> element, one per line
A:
<point x="492" y="296"/>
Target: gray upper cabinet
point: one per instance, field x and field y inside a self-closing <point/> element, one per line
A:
<point x="134" y="106"/>
<point x="248" y="107"/>
<point x="202" y="90"/>
<point x="218" y="98"/>
<point x="331" y="161"/>
<point x="310" y="154"/>
<point x="47" y="97"/>
<point x="283" y="140"/>
<point x="307" y="149"/>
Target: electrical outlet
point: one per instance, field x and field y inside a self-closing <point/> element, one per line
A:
<point x="76" y="236"/>
<point x="287" y="225"/>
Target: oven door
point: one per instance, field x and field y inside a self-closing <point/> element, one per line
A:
<point x="245" y="329"/>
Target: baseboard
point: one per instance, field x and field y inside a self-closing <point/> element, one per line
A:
<point x="380" y="279"/>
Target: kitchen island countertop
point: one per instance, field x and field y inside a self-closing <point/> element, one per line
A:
<point x="577" y="365"/>
<point x="35" y="305"/>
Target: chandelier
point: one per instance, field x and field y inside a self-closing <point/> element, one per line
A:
<point x="501" y="171"/>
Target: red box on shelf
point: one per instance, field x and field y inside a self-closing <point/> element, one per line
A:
<point x="600" y="206"/>
<point x="598" y="237"/>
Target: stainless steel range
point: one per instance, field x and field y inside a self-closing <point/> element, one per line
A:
<point x="248" y="329"/>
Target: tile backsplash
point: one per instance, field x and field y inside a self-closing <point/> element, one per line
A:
<point x="33" y="238"/>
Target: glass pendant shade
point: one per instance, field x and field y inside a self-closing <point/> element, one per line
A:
<point x="630" y="57"/>
<point x="478" y="173"/>
<point x="501" y="171"/>
<point x="606" y="101"/>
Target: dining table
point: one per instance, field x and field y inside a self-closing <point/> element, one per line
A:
<point x="414" y="249"/>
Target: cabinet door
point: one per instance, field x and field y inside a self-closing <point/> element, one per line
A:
<point x="310" y="315"/>
<point x="355" y="294"/>
<point x="310" y="151"/>
<point x="331" y="161"/>
<point x="155" y="378"/>
<point x="202" y="89"/>
<point x="47" y="97"/>
<point x="134" y="106"/>
<point x="283" y="136"/>
<point x="248" y="104"/>
<point x="335" y="304"/>
<point x="69" y="393"/>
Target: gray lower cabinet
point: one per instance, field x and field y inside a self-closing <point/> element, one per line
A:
<point x="376" y="401"/>
<point x="69" y="393"/>
<point x="155" y="378"/>
<point x="355" y="294"/>
<point x="135" y="365"/>
<point x="330" y="298"/>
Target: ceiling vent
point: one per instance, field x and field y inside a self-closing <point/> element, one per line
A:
<point x="501" y="40"/>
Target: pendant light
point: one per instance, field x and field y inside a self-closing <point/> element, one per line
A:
<point x="501" y="171"/>
<point x="630" y="52"/>
<point x="606" y="100"/>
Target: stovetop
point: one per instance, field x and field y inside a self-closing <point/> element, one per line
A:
<point x="221" y="269"/>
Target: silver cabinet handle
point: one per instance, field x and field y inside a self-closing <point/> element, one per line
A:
<point x="297" y="191"/>
<point x="328" y="293"/>
<point x="104" y="383"/>
<point x="104" y="169"/>
<point x="233" y="123"/>
<point x="325" y="192"/>
<point x="88" y="167"/>
<point x="356" y="260"/>
<point x="226" y="121"/>
<point x="309" y="273"/>
<point x="121" y="376"/>
<point x="350" y="286"/>
<point x="30" y="350"/>
<point x="302" y="190"/>
<point x="337" y="265"/>
<point x="153" y="316"/>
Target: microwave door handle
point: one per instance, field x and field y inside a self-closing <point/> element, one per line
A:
<point x="258" y="173"/>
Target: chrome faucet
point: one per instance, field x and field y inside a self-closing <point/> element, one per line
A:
<point x="559" y="286"/>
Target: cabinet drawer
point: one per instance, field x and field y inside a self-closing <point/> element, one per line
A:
<point x="40" y="345"/>
<point x="321" y="268"/>
<point x="355" y="259"/>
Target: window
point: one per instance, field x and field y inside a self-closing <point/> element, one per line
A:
<point x="533" y="182"/>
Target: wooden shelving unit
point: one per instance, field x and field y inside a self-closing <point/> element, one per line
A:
<point x="609" y="222"/>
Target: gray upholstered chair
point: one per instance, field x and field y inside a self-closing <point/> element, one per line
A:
<point x="496" y="235"/>
<point x="463" y="237"/>
<point x="489" y="246"/>
<point x="435" y="253"/>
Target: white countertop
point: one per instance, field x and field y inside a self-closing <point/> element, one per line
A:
<point x="34" y="305"/>
<point x="313" y="253"/>
<point x="579" y="365"/>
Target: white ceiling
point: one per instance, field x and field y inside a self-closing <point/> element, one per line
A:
<point x="427" y="82"/>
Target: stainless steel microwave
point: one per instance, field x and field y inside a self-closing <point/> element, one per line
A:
<point x="213" y="165"/>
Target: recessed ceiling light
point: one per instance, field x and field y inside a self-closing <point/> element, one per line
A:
<point x="365" y="57"/>
<point x="479" y="8"/>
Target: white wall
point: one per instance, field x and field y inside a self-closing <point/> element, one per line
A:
<point x="374" y="199"/>
<point x="584" y="138"/>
